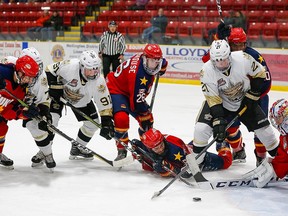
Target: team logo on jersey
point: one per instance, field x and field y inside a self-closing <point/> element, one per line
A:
<point x="221" y="82"/>
<point x="234" y="92"/>
<point x="44" y="81"/>
<point x="178" y="156"/>
<point x="57" y="53"/>
<point x="143" y="81"/>
<point x="73" y="96"/>
<point x="208" y="117"/>
<point x="101" y="88"/>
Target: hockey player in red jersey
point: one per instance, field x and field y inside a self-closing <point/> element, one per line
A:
<point x="129" y="86"/>
<point x="15" y="78"/>
<point x="277" y="167"/>
<point x="170" y="152"/>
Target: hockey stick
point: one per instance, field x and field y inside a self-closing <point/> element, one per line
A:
<point x="199" y="178"/>
<point x="154" y="91"/>
<point x="219" y="9"/>
<point x="119" y="163"/>
<point x="98" y="125"/>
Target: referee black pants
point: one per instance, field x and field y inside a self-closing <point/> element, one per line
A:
<point x="107" y="61"/>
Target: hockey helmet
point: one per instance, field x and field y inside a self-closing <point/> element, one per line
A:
<point x="278" y="116"/>
<point x="237" y="35"/>
<point x="27" y="66"/>
<point x="90" y="65"/>
<point x="152" y="138"/>
<point x="152" y="58"/>
<point x="33" y="53"/>
<point x="220" y="55"/>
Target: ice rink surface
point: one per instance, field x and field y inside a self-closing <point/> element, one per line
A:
<point x="95" y="188"/>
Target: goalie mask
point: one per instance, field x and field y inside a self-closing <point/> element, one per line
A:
<point x="220" y="55"/>
<point x="90" y="65"/>
<point x="278" y="116"/>
<point x="154" y="140"/>
<point x="152" y="58"/>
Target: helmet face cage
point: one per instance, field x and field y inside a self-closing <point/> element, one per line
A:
<point x="90" y="65"/>
<point x="220" y="55"/>
<point x="29" y="69"/>
<point x="278" y="116"/>
<point x="152" y="58"/>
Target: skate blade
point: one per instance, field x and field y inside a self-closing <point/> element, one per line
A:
<point x="239" y="161"/>
<point x="8" y="167"/>
<point x="72" y="157"/>
<point x="35" y="165"/>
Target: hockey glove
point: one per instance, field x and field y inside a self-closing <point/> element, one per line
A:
<point x="107" y="130"/>
<point x="56" y="93"/>
<point x="250" y="100"/>
<point x="2" y="82"/>
<point x="46" y="117"/>
<point x="219" y="129"/>
<point x="146" y="120"/>
<point x="223" y="31"/>
<point x="157" y="166"/>
<point x="31" y="112"/>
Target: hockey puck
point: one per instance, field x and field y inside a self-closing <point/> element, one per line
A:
<point x="197" y="199"/>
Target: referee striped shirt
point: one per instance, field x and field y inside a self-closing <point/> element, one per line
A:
<point x="112" y="43"/>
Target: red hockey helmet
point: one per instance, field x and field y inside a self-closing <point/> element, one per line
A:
<point x="152" y="138"/>
<point x="27" y="65"/>
<point x="237" y="35"/>
<point x="153" y="51"/>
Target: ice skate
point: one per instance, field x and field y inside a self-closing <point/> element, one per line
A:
<point x="38" y="159"/>
<point x="49" y="161"/>
<point x="239" y="156"/>
<point x="6" y="162"/>
<point x="77" y="153"/>
<point x="122" y="153"/>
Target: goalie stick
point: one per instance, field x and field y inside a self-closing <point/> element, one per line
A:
<point x="198" y="176"/>
<point x="120" y="163"/>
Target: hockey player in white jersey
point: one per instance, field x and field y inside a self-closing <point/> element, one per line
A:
<point x="79" y="81"/>
<point x="229" y="82"/>
<point x="37" y="95"/>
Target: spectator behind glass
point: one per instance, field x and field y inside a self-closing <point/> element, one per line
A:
<point x="236" y="19"/>
<point x="34" y="32"/>
<point x="52" y="25"/>
<point x="139" y="5"/>
<point x="159" y="24"/>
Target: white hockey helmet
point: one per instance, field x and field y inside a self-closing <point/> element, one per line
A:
<point x="278" y="116"/>
<point x="89" y="61"/>
<point x="220" y="55"/>
<point x="33" y="53"/>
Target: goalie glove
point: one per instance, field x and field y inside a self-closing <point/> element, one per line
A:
<point x="107" y="130"/>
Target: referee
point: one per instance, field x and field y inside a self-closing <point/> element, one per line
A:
<point x="111" y="48"/>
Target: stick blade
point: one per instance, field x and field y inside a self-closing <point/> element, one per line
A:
<point x="156" y="194"/>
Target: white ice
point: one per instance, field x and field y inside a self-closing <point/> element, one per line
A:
<point x="94" y="188"/>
